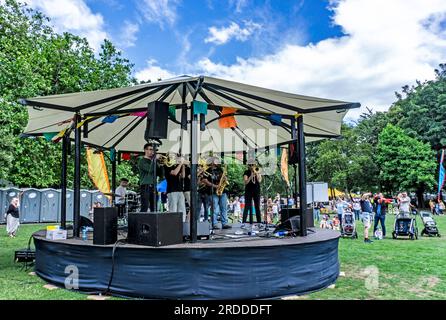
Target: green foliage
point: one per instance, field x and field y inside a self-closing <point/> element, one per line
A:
<point x="406" y="163"/>
<point x="34" y="60"/>
<point x="422" y="112"/>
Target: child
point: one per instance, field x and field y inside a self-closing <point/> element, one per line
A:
<point x="336" y="223"/>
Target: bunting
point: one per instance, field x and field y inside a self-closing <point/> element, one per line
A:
<point x="139" y="114"/>
<point x="110" y="118"/>
<point x="275" y="119"/>
<point x="200" y="107"/>
<point x="227" y="120"/>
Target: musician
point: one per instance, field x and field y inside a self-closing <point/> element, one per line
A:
<point x="174" y="177"/>
<point x="120" y="193"/>
<point x="147" y="180"/>
<point x="252" y="179"/>
<point x="219" y="203"/>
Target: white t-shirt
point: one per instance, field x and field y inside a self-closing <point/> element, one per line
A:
<point x="237" y="207"/>
<point x="405" y="204"/>
<point x="120" y="191"/>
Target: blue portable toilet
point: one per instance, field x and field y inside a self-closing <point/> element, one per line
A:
<point x="49" y="205"/>
<point x="2" y="211"/>
<point x="30" y="206"/>
<point x="69" y="206"/>
<point x="86" y="203"/>
<point x="98" y="196"/>
<point x="8" y="194"/>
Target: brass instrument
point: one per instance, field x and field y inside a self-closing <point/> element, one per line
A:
<point x="255" y="170"/>
<point x="166" y="161"/>
<point x="223" y="182"/>
<point x="203" y="167"/>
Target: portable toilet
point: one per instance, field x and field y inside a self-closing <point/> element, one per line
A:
<point x="8" y="194"/>
<point x="86" y="203"/>
<point x="2" y="212"/>
<point x="50" y="204"/>
<point x="30" y="205"/>
<point x="98" y="196"/>
<point x="69" y="205"/>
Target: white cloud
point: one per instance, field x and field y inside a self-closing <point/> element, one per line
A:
<point x="387" y="44"/>
<point x="73" y="16"/>
<point x="238" y="5"/>
<point x="127" y="36"/>
<point x="159" y="11"/>
<point x="223" y="35"/>
<point x="153" y="72"/>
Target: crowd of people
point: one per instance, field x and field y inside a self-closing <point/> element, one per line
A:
<point x="370" y="209"/>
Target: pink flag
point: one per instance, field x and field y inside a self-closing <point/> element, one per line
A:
<point x="139" y="114"/>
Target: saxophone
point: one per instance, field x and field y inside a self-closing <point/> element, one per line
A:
<point x="223" y="182"/>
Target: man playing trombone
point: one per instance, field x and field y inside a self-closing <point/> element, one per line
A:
<point x="252" y="179"/>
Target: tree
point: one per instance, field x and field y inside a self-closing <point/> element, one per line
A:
<point x="405" y="163"/>
<point x="34" y="60"/>
<point x="421" y="113"/>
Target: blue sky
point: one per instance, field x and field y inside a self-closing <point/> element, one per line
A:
<point x="275" y="22"/>
<point x="352" y="50"/>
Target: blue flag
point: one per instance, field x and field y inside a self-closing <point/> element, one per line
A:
<point x="441" y="174"/>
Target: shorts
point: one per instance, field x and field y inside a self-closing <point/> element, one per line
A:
<point x="366" y="219"/>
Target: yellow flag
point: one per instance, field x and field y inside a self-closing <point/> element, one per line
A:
<point x="98" y="171"/>
<point x="284" y="166"/>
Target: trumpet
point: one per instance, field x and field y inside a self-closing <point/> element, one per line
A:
<point x="166" y="161"/>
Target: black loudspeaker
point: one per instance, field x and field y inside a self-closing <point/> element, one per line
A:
<point x="155" y="228"/>
<point x="157" y="118"/>
<point x="288" y="213"/>
<point x="105" y="225"/>
<point x="203" y="229"/>
<point x="293" y="156"/>
<point x="292" y="224"/>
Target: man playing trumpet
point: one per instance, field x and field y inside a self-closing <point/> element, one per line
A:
<point x="173" y="169"/>
<point x="252" y="179"/>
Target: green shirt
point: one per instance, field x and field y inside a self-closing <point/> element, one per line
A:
<point x="145" y="167"/>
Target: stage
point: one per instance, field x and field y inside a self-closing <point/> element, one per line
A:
<point x="228" y="266"/>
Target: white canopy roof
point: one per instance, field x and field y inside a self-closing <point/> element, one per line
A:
<point x="322" y="117"/>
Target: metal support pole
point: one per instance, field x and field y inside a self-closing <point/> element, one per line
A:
<point x="63" y="183"/>
<point x="77" y="177"/>
<point x="193" y="174"/>
<point x="302" y="176"/>
<point x="294" y="137"/>
<point x="113" y="161"/>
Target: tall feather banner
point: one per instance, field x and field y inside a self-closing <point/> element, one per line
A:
<point x="98" y="171"/>
<point x="441" y="174"/>
<point x="284" y="166"/>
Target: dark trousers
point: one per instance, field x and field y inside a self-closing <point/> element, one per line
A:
<point x="121" y="209"/>
<point x="147" y="200"/>
<point x="204" y="199"/>
<point x="382" y="219"/>
<point x="251" y="195"/>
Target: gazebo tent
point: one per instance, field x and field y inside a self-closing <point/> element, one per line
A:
<point x="290" y="117"/>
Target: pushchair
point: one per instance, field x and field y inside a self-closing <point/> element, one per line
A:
<point x="430" y="226"/>
<point x="405" y="225"/>
<point x="349" y="225"/>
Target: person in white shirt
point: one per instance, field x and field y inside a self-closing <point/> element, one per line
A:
<point x="404" y="202"/>
<point x="120" y="193"/>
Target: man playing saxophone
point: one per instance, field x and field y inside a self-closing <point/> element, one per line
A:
<point x="214" y="182"/>
<point x="252" y="179"/>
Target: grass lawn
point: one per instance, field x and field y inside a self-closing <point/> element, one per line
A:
<point x="385" y="269"/>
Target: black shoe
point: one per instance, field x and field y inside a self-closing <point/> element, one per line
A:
<point x="227" y="226"/>
<point x="367" y="241"/>
<point x="215" y="228"/>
